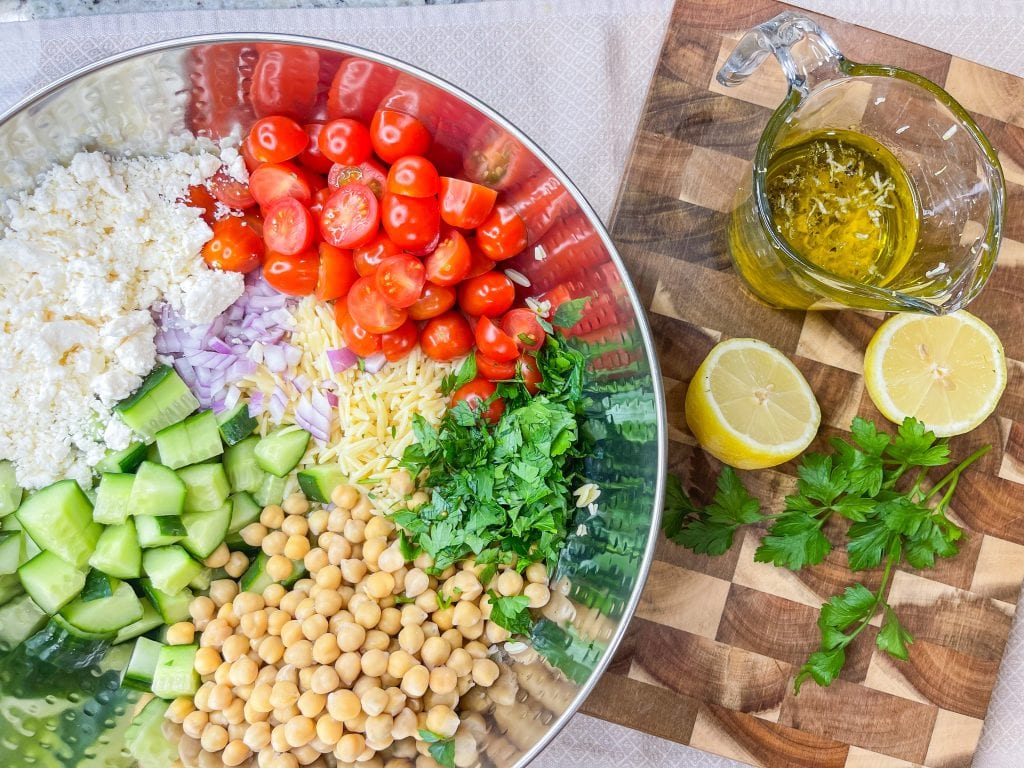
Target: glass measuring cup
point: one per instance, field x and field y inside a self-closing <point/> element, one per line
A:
<point x="948" y="247"/>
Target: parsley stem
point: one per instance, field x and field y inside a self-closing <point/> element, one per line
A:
<point x="890" y="562"/>
<point x="955" y="474"/>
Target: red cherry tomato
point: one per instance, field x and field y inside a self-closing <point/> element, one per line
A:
<point x="234" y="247"/>
<point x="465" y="204"/>
<point x="494" y="370"/>
<point x="350" y="216"/>
<point x="523" y="326"/>
<point x="446" y="337"/>
<point x="527" y="370"/>
<point x="369" y="308"/>
<point x="311" y="157"/>
<point x="345" y="141"/>
<point x="369" y="173"/>
<point x="435" y="300"/>
<point x="230" y="191"/>
<point x="427" y="249"/>
<point x="413" y="176"/>
<point x="276" y="139"/>
<point x="319" y="200"/>
<point x="411" y="222"/>
<point x="251" y="163"/>
<point x="199" y="197"/>
<point x="285" y="81"/>
<point x="400" y="280"/>
<point x="475" y="394"/>
<point x="450" y="261"/>
<point x="254" y="222"/>
<point x="400" y="342"/>
<point x="294" y="275"/>
<point x="494" y="342"/>
<point x="337" y="273"/>
<point x="491" y="294"/>
<point x="478" y="262"/>
<point x="368" y="257"/>
<point x="356" y="338"/>
<point x="288" y="227"/>
<point x="396" y="134"/>
<point x="502" y="235"/>
<point x="272" y="181"/>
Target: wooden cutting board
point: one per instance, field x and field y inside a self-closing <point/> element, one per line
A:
<point x="710" y="658"/>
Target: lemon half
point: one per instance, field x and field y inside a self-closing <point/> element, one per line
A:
<point x="946" y="371"/>
<point x="750" y="407"/>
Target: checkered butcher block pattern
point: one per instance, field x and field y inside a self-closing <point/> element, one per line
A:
<point x="710" y="658"/>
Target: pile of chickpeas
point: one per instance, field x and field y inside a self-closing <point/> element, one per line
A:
<point x="347" y="665"/>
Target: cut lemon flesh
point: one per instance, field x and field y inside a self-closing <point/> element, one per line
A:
<point x="750" y="407"/>
<point x="947" y="371"/>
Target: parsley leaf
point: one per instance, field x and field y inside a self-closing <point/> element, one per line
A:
<point x="914" y="445"/>
<point x="856" y="603"/>
<point x="893" y="638"/>
<point x="511" y="612"/>
<point x="709" y="531"/>
<point x="569" y="312"/>
<point x="822" y="666"/>
<point x="793" y="541"/>
<point x="465" y="374"/>
<point x="441" y="749"/>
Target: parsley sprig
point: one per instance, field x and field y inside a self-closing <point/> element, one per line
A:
<point x="877" y="482"/>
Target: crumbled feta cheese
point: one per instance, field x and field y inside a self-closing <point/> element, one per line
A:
<point x="83" y="257"/>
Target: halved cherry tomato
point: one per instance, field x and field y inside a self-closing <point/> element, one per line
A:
<point x="400" y="342"/>
<point x="475" y="394"/>
<point x="446" y="337"/>
<point x="465" y="204"/>
<point x="369" y="256"/>
<point x="369" y="308"/>
<point x="337" y="273"/>
<point x="503" y="234"/>
<point x="199" y="197"/>
<point x="435" y="300"/>
<point x="491" y="294"/>
<point x="288" y="227"/>
<point x="478" y="261"/>
<point x="370" y="173"/>
<point x="230" y="191"/>
<point x="494" y="342"/>
<point x="311" y="156"/>
<point x="494" y="370"/>
<point x="276" y="138"/>
<point x="350" y="216"/>
<point x="356" y="338"/>
<point x="272" y="181"/>
<point x="246" y="151"/>
<point x="294" y="275"/>
<point x="234" y="247"/>
<point x="523" y="326"/>
<point x="412" y="223"/>
<point x="527" y="370"/>
<point x="413" y="176"/>
<point x="400" y="280"/>
<point x="450" y="261"/>
<point x="395" y="134"/>
<point x="345" y="141"/>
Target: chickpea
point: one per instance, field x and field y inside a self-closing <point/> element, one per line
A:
<point x="234" y="648"/>
<point x="430" y="629"/>
<point x="465" y="614"/>
<point x="257" y="735"/>
<point x="351" y="636"/>
<point x="325" y="679"/>
<point x="339" y="550"/>
<point x="295" y="524"/>
<point x="296" y="548"/>
<point x="279" y="567"/>
<point x="410" y="615"/>
<point x="284" y="760"/>
<point x="315" y="561"/>
<point x="259" y="699"/>
<point x="476" y="649"/>
<point x="379" y="585"/>
<point x="273" y="594"/>
<point x="427" y="601"/>
<point x="271" y="649"/>
<point x="329" y="730"/>
<point x="237" y="565"/>
<point x="374" y="662"/>
<point x="400" y="662"/>
<point x="415" y="681"/>
<point x="373" y="700"/>
<point x="314" y="626"/>
<point x="287" y="674"/>
<point x="539" y="594"/>
<point x="284" y="694"/>
<point x="510" y="583"/>
<point x="299" y="731"/>
<point x="227" y="613"/>
<point x="442" y="721"/>
<point x="416" y="582"/>
<point x="348" y="667"/>
<point x="378" y="727"/>
<point x="417" y="500"/>
<point x="363" y="510"/>
<point x="235" y="753"/>
<point x="273" y="543"/>
<point x="195" y="723"/>
<point x="536" y="573"/>
<point x="300" y="654"/>
<point x="214" y="738"/>
<point x="218" y="558"/>
<point x="353" y="570"/>
<point x="343" y="705"/>
<point x="243" y="671"/>
<point x="216" y="632"/>
<point x="367" y="614"/>
<point x="376" y="640"/>
<point x="372" y="549"/>
<point x="485" y="672"/>
<point x="411" y="638"/>
<point x="345" y="496"/>
<point x="443" y="679"/>
<point x="278" y="741"/>
<point x="295" y="504"/>
<point x="179" y="709"/>
<point x="444" y="618"/>
<point x="468" y="584"/>
<point x="350" y="747"/>
<point x="207" y="659"/>
<point x="254" y="625"/>
<point x="290" y="602"/>
<point x="201" y="610"/>
<point x="223" y="591"/>
<point x="325" y="649"/>
<point x="235" y="713"/>
<point x="378" y="527"/>
<point x="435" y="651"/>
<point x="453" y="636"/>
<point x="182" y="633"/>
<point x="495" y="634"/>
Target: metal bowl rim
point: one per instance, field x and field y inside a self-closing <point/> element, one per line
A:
<point x="641" y="317"/>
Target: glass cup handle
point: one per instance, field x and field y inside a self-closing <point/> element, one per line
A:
<point x="806" y="53"/>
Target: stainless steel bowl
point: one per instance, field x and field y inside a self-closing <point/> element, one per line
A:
<point x="138" y="102"/>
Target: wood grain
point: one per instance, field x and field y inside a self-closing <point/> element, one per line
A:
<point x="711" y="656"/>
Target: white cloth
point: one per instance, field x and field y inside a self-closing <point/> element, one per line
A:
<point x="573" y="75"/>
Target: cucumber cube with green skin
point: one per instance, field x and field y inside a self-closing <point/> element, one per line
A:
<point x="151" y="619"/>
<point x="157" y="490"/>
<point x="175" y="674"/>
<point x="236" y="424"/>
<point x="20" y="618"/>
<point x="244" y="511"/>
<point x="206" y="530"/>
<point x="118" y="551"/>
<point x="319" y="482"/>
<point x="191" y="441"/>
<point x="105" y="615"/>
<point x="138" y="674"/>
<point x="271" y="490"/>
<point x="244" y="474"/>
<point x="51" y="581"/>
<point x="172" y="608"/>
<point x="170" y="569"/>
<point x="162" y="400"/>
<point x="280" y="452"/>
<point x="159" y="531"/>
<point x="206" y="487"/>
<point x="12" y="551"/>
<point x="113" y="498"/>
<point x="98" y="586"/>
<point x="124" y="461"/>
<point x="59" y="518"/>
<point x="10" y="491"/>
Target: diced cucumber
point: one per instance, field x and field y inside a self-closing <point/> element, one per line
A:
<point x="271" y="490"/>
<point x="159" y="531"/>
<point x="172" y="443"/>
<point x="59" y="518"/>
<point x="113" y="498"/>
<point x="202" y="581"/>
<point x="51" y="581"/>
<point x="10" y="491"/>
<point x="244" y="510"/>
<point x="175" y="673"/>
<point x="279" y="452"/>
<point x="10" y="587"/>
<point x="206" y="530"/>
<point x="319" y="482"/>
<point x="206" y="487"/>
<point x="191" y="441"/>
<point x="153" y="453"/>
<point x="118" y="551"/>
<point x="141" y="666"/>
<point x="151" y="619"/>
<point x="98" y="586"/>
<point x="20" y="618"/>
<point x="256" y="578"/>
<point x="106" y="615"/>
<point x="145" y="737"/>
<point x="162" y="400"/>
<point x="236" y="424"/>
<point x="170" y="569"/>
<point x="12" y="551"/>
<point x="127" y="460"/>
<point x="173" y="608"/>
<point x="243" y="472"/>
<point x="62" y="644"/>
<point x="157" y="490"/>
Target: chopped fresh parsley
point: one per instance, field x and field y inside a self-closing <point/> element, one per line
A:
<point x="512" y="613"/>
<point x="441" y="749"/>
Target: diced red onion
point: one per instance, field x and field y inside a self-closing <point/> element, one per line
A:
<point x="341" y="359"/>
<point x="217" y="345"/>
<point x="292" y="354"/>
<point x="232" y="398"/>
<point x="274" y="359"/>
<point x="374" y="362"/>
<point x="332" y="399"/>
